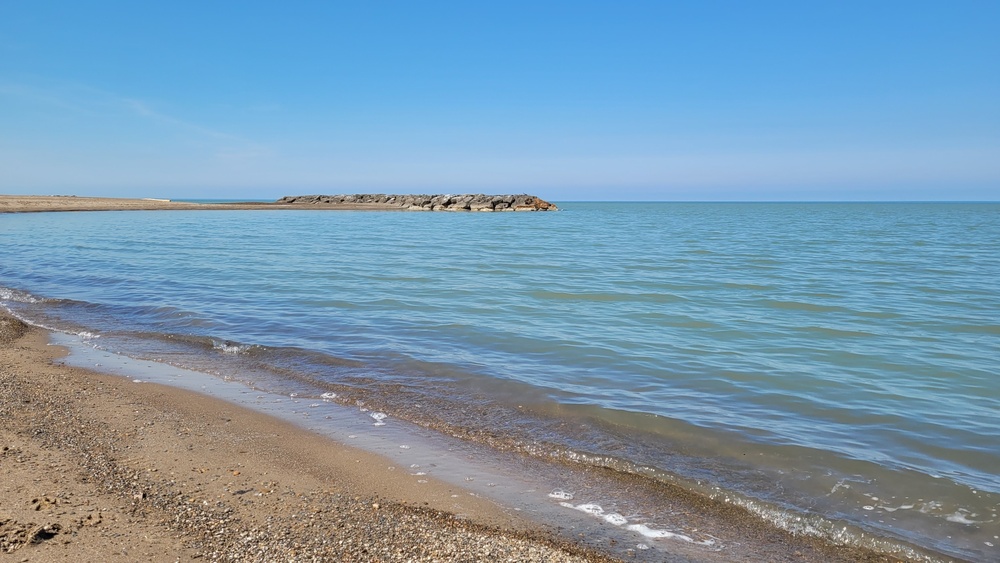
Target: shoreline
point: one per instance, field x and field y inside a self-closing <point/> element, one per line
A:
<point x="173" y="460"/>
<point x="97" y="467"/>
<point x="54" y="203"/>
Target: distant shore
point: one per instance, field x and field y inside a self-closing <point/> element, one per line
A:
<point x="45" y="203"/>
<point x="371" y="202"/>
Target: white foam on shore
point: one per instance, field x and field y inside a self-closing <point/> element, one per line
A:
<point x="589" y="508"/>
<point x="842" y="484"/>
<point x="652" y="533"/>
<point x="7" y="294"/>
<point x="379" y="418"/>
<point x="616" y="519"/>
<point x="561" y="495"/>
<point x="227" y="347"/>
<point x="961" y="516"/>
<point x="328" y="396"/>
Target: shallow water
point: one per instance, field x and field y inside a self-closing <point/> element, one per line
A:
<point x="822" y="364"/>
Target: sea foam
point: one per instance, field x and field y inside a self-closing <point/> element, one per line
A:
<point x="617" y="519"/>
<point x="561" y="495"/>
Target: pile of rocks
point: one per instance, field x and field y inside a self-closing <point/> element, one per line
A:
<point x="445" y="202"/>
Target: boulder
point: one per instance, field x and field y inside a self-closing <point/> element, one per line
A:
<point x="422" y="202"/>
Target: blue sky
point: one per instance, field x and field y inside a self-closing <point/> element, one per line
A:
<point x="577" y="100"/>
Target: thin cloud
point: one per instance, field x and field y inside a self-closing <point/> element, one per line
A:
<point x="87" y="101"/>
<point x="42" y="96"/>
<point x="236" y="148"/>
<point x="142" y="109"/>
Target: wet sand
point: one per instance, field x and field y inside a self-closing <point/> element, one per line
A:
<point x="97" y="468"/>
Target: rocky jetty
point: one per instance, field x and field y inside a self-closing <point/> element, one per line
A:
<point x="446" y="202"/>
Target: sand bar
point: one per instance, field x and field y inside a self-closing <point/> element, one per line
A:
<point x="40" y="203"/>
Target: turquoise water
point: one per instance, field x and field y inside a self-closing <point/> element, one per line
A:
<point x="835" y="363"/>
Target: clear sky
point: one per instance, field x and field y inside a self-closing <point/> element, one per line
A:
<point x="620" y="100"/>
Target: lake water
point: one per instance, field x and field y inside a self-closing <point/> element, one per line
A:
<point x="834" y="368"/>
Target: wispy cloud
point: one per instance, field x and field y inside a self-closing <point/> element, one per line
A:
<point x="143" y="109"/>
<point x="231" y="147"/>
<point x="40" y="96"/>
<point x="95" y="103"/>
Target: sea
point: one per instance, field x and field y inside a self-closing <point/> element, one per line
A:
<point x="832" y="368"/>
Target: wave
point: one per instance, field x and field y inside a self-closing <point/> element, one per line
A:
<point x="610" y="297"/>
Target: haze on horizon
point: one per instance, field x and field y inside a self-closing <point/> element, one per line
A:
<point x="569" y="100"/>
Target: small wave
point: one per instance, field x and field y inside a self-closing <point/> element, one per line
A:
<point x="802" y="306"/>
<point x="228" y="347"/>
<point x="820" y="527"/>
<point x="17" y="296"/>
<point x="747" y="286"/>
<point x="826" y="331"/>
<point x="986" y="329"/>
<point x="608" y="297"/>
<point x="83" y="334"/>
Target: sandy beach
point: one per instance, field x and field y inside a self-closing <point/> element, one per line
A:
<point x="97" y="468"/>
<point x="44" y="203"/>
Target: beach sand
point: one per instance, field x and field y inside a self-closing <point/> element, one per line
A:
<point x="39" y="203"/>
<point x="97" y="468"/>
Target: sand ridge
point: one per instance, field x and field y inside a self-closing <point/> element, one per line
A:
<point x="39" y="203"/>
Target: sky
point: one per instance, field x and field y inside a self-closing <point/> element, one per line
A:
<point x="576" y="100"/>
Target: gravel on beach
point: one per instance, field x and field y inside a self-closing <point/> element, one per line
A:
<point x="103" y="468"/>
<point x="94" y="470"/>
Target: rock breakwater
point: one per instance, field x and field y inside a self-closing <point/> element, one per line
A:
<point x="444" y="202"/>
